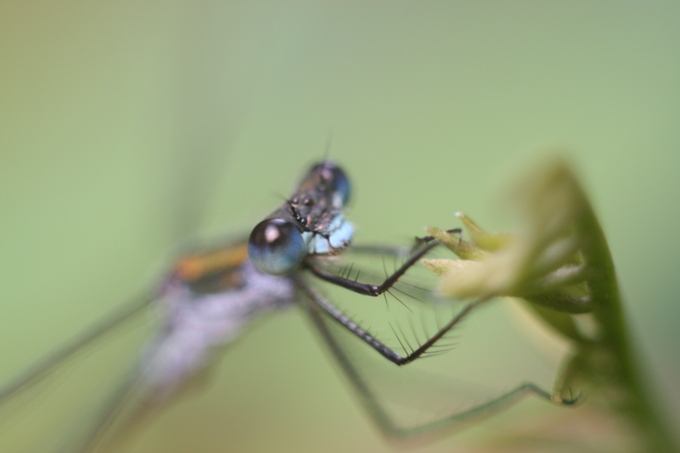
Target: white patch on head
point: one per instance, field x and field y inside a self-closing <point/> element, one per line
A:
<point x="342" y="236"/>
<point x="341" y="232"/>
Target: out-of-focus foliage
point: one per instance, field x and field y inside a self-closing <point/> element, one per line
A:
<point x="559" y="262"/>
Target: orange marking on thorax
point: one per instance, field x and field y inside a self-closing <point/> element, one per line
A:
<point x="193" y="267"/>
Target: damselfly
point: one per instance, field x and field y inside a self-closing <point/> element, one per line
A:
<point x="209" y="297"/>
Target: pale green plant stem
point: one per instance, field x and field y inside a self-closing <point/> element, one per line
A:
<point x="637" y="404"/>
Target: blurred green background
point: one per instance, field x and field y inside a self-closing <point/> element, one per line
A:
<point x="127" y="127"/>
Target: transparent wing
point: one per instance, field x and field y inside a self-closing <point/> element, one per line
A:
<point x="109" y="396"/>
<point x="483" y="363"/>
<point x="54" y="399"/>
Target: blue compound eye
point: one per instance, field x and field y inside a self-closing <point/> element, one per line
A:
<point x="341" y="183"/>
<point x="276" y="246"/>
<point x="333" y="175"/>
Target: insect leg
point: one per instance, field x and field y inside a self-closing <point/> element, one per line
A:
<point x="340" y="317"/>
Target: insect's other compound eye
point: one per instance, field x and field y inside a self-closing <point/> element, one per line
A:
<point x="335" y="177"/>
<point x="340" y="183"/>
<point x="276" y="246"/>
